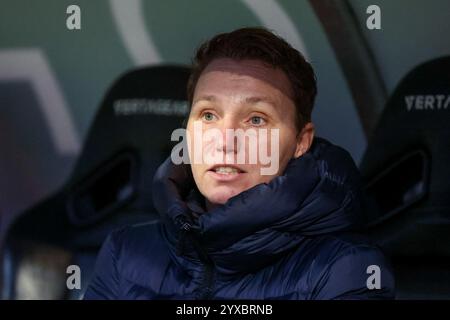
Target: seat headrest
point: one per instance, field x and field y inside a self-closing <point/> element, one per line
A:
<point x="139" y="111"/>
<point x="406" y="164"/>
<point x="128" y="139"/>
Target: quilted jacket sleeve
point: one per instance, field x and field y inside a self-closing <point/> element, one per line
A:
<point x="105" y="281"/>
<point x="359" y="273"/>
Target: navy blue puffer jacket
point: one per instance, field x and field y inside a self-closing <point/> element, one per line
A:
<point x="288" y="239"/>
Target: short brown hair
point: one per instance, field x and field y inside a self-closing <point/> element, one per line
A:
<point x="260" y="44"/>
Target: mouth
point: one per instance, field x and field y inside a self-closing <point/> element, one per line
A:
<point x="226" y="169"/>
<point x="224" y="172"/>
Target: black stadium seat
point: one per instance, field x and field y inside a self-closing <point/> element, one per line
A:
<point x="406" y="170"/>
<point x="109" y="187"/>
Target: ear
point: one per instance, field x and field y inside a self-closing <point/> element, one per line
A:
<point x="304" y="139"/>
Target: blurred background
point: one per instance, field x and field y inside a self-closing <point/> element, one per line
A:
<point x="53" y="82"/>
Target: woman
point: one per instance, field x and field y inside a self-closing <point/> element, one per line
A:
<point x="278" y="227"/>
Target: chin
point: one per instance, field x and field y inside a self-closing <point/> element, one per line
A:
<point x="221" y="195"/>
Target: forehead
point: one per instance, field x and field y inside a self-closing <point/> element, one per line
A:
<point x="226" y="68"/>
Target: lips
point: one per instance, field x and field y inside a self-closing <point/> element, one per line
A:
<point x="226" y="169"/>
<point x="226" y="172"/>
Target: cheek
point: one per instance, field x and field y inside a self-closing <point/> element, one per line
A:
<point x="196" y="173"/>
<point x="262" y="179"/>
<point x="190" y="140"/>
<point x="276" y="145"/>
<point x="287" y="147"/>
<point x="203" y="143"/>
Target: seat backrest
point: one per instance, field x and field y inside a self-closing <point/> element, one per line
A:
<point x="109" y="187"/>
<point x="407" y="177"/>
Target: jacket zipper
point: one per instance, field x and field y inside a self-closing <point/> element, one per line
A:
<point x="205" y="290"/>
<point x="207" y="286"/>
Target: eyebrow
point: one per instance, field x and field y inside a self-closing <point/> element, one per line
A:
<point x="205" y="98"/>
<point x="248" y="100"/>
<point x="255" y="100"/>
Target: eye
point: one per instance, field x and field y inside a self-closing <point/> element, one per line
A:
<point x="257" y="121"/>
<point x="208" y="116"/>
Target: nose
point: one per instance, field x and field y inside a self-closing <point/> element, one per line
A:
<point x="229" y="143"/>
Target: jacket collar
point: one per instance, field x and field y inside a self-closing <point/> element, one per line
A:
<point x="318" y="194"/>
